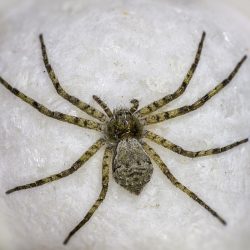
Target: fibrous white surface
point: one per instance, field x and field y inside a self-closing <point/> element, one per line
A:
<point x="121" y="50"/>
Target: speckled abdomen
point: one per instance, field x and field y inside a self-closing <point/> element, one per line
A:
<point x="132" y="168"/>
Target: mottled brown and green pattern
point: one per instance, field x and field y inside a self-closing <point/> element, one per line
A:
<point x="122" y="132"/>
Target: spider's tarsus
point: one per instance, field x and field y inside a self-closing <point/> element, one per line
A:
<point x="244" y="58"/>
<point x="41" y="37"/>
<point x="65" y="241"/>
<point x="242" y="141"/>
<point x="10" y="191"/>
<point x="224" y="223"/>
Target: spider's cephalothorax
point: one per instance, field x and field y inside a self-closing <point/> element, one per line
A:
<point x="123" y="133"/>
<point x="123" y="124"/>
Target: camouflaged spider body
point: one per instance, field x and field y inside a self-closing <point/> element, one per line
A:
<point x="131" y="167"/>
<point x="123" y="132"/>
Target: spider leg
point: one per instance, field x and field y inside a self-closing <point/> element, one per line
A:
<point x="53" y="114"/>
<point x="135" y="105"/>
<point x="75" y="101"/>
<point x="177" y="149"/>
<point x="175" y="182"/>
<point x="168" y="98"/>
<point x="103" y="105"/>
<point x="105" y="180"/>
<point x="186" y="109"/>
<point x="85" y="157"/>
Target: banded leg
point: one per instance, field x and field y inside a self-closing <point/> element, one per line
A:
<point x="105" y="180"/>
<point x="177" y="149"/>
<point x="186" y="109"/>
<point x="75" y="101"/>
<point x="135" y="105"/>
<point x="85" y="157"/>
<point x="168" y="98"/>
<point x="175" y="182"/>
<point x="103" y="105"/>
<point x="53" y="114"/>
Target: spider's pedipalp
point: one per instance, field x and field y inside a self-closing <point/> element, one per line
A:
<point x="135" y="105"/>
<point x="151" y="119"/>
<point x="105" y="181"/>
<point x="81" y="122"/>
<point x="103" y="105"/>
<point x="75" y="101"/>
<point x="179" y="150"/>
<point x="85" y="157"/>
<point x="168" y="98"/>
<point x="175" y="182"/>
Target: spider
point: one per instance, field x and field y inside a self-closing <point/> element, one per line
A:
<point x="123" y="131"/>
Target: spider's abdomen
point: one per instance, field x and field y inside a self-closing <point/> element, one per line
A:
<point x="132" y="168"/>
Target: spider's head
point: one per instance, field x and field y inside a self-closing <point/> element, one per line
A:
<point x="123" y="125"/>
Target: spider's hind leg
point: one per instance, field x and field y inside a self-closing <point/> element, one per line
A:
<point x="175" y="182"/>
<point x="105" y="180"/>
<point x="179" y="150"/>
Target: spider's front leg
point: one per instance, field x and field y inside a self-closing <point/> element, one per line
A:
<point x="85" y="157"/>
<point x="175" y="182"/>
<point x="53" y="114"/>
<point x="168" y="98"/>
<point x="151" y="119"/>
<point x="75" y="101"/>
<point x="177" y="149"/>
<point x="105" y="181"/>
<point x="135" y="105"/>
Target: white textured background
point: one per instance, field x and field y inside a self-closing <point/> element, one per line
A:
<point x="121" y="50"/>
